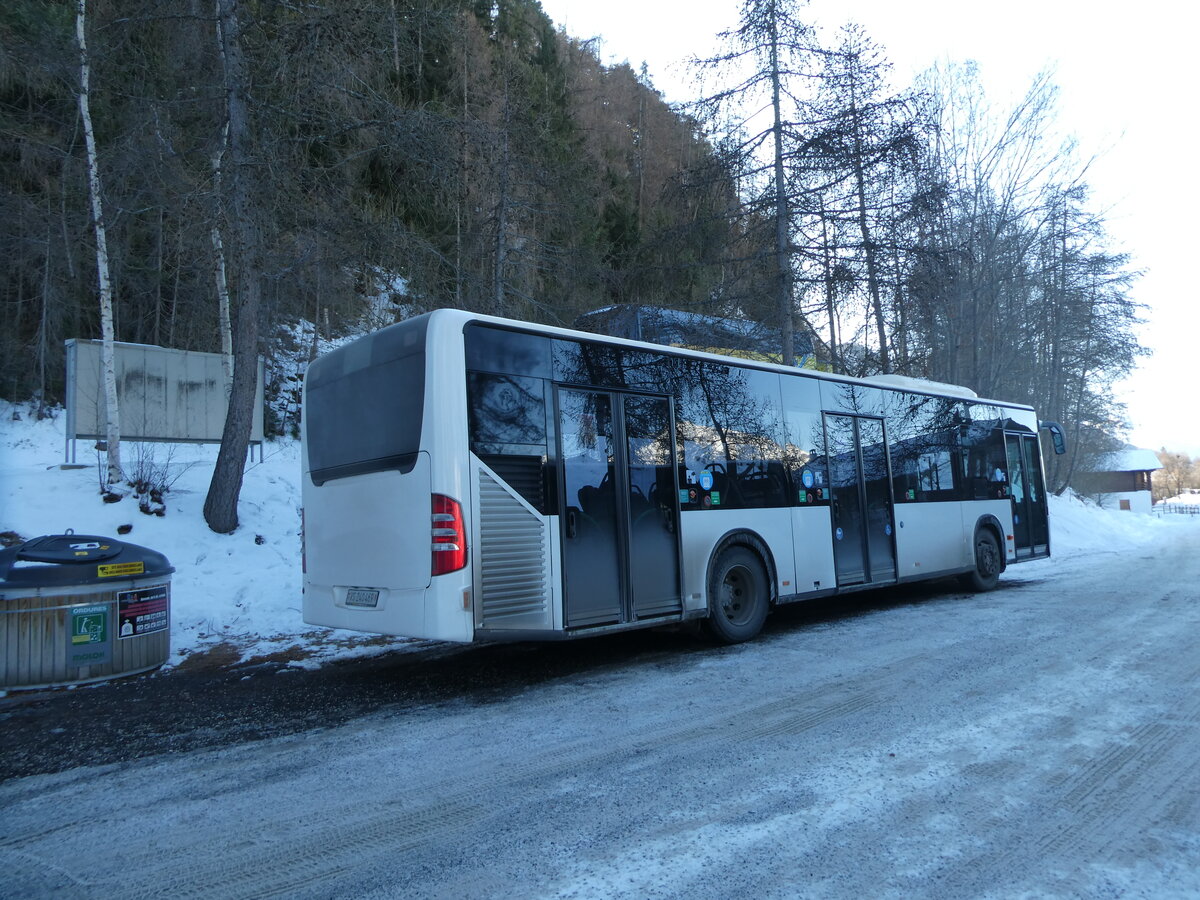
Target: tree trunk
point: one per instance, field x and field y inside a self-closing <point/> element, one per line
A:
<point x="499" y="304"/>
<point x="112" y="415"/>
<point x="224" y="324"/>
<point x="868" y="243"/>
<point x="830" y="291"/>
<point x="783" y="257"/>
<point x="220" y="506"/>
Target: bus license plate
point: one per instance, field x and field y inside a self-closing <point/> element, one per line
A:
<point x="363" y="598"/>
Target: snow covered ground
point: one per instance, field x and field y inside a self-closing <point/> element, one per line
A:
<point x="244" y="589"/>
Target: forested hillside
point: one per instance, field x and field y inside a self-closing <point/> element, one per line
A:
<point x="394" y="156"/>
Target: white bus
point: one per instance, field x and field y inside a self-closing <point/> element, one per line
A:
<point x="468" y="478"/>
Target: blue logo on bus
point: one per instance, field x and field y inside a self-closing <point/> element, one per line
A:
<point x="706" y="480"/>
<point x="807" y="478"/>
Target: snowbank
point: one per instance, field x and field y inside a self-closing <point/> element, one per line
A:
<point x="244" y="589"/>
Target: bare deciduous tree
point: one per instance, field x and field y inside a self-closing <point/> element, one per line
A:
<point x="112" y="413"/>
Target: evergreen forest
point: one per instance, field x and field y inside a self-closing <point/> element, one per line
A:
<point x="352" y="162"/>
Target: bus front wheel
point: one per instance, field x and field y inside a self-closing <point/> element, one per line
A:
<point x="988" y="562"/>
<point x="738" y="596"/>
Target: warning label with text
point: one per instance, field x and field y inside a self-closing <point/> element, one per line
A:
<point x="143" y="611"/>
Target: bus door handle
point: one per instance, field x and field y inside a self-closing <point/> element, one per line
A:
<point x="572" y="524"/>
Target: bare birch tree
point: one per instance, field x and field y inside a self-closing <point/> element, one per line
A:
<point x="224" y="323"/>
<point x="112" y="414"/>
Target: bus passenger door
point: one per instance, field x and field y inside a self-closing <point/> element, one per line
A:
<point x="619" y="507"/>
<point x="1030" y="526"/>
<point x="863" y="521"/>
<point x="591" y="560"/>
<point x="651" y="460"/>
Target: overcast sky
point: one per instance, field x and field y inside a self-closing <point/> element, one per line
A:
<point x="1128" y="92"/>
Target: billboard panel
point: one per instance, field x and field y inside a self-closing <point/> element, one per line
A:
<point x="164" y="394"/>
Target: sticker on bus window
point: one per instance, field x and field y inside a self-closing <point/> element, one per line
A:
<point x="684" y="495"/>
<point x="706" y="480"/>
<point x="716" y="498"/>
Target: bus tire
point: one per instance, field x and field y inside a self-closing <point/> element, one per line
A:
<point x="988" y="562"/>
<point x="738" y="596"/>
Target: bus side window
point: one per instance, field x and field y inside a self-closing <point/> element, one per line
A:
<point x="506" y="418"/>
<point x="984" y="462"/>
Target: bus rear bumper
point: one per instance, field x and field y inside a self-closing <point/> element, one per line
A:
<point x="417" y="613"/>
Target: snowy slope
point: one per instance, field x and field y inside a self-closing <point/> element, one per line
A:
<point x="244" y="589"/>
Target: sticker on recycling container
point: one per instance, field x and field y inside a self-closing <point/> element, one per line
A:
<point x="88" y="638"/>
<point x="117" y="570"/>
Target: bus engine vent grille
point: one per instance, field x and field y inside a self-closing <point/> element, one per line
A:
<point x="512" y="555"/>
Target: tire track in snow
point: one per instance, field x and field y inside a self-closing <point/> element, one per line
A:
<point x="218" y="868"/>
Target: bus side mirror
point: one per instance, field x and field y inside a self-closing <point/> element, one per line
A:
<point x="1056" y="436"/>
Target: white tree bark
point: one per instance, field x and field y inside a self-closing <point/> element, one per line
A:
<point x="224" y="324"/>
<point x="111" y="409"/>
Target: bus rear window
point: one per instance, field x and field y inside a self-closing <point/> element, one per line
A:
<point x="363" y="404"/>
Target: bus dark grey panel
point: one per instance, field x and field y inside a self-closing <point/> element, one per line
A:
<point x="491" y="349"/>
<point x="854" y="399"/>
<point x="923" y="437"/>
<point x="368" y="398"/>
<point x="804" y="450"/>
<point x="731" y="426"/>
<point x="506" y="421"/>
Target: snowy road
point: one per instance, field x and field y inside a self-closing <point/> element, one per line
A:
<point x="1042" y="738"/>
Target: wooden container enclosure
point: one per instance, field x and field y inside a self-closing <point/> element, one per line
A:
<point x="80" y="608"/>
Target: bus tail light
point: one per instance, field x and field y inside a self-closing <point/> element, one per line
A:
<point x="449" y="547"/>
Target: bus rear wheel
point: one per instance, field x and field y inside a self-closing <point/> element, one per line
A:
<point x="988" y="562"/>
<point x="738" y="596"/>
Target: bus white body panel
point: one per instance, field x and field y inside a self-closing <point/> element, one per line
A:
<point x="703" y="530"/>
<point x="368" y="527"/>
<point x="813" y="551"/>
<point x="924" y="544"/>
<point x="369" y="541"/>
